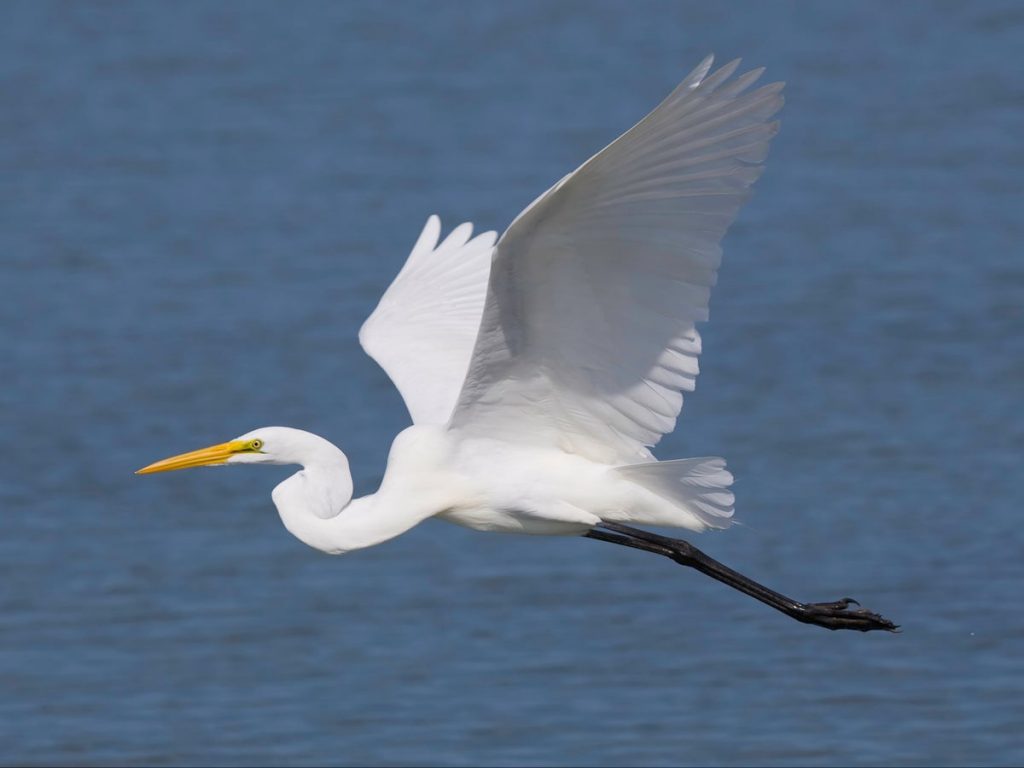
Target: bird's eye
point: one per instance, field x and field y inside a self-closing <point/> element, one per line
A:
<point x="256" y="444"/>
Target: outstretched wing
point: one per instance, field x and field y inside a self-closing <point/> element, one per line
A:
<point x="423" y="329"/>
<point x="588" y="338"/>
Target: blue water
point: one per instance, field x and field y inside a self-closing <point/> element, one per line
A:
<point x="199" y="203"/>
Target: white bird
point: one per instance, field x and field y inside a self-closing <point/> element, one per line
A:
<point x="540" y="368"/>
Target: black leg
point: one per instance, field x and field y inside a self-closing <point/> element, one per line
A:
<point x="837" y="615"/>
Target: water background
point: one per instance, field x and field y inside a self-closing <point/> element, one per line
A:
<point x="199" y="203"/>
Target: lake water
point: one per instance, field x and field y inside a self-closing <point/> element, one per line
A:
<point x="199" y="203"/>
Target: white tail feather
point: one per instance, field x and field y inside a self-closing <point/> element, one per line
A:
<point x="698" y="486"/>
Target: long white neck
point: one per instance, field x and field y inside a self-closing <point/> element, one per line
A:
<point x="316" y="503"/>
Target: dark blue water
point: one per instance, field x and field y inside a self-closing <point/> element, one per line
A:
<point x="199" y="203"/>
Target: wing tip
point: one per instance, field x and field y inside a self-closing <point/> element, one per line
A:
<point x="726" y="70"/>
<point x="429" y="235"/>
<point x="486" y="239"/>
<point x="702" y="77"/>
<point x="458" y="237"/>
<point x="697" y="75"/>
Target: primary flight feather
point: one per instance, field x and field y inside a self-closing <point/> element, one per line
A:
<point x="540" y="368"/>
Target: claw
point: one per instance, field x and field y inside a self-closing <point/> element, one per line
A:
<point x="838" y="605"/>
<point x="838" y="616"/>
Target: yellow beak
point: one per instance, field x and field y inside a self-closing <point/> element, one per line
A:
<point x="204" y="457"/>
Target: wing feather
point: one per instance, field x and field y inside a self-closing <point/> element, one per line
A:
<point x="423" y="329"/>
<point x="588" y="337"/>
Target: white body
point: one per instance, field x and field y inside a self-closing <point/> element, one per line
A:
<point x="541" y="368"/>
<point x="433" y="471"/>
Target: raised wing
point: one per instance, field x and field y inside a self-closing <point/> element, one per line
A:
<point x="588" y="337"/>
<point x="423" y="329"/>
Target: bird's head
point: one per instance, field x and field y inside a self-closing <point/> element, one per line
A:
<point x="268" y="445"/>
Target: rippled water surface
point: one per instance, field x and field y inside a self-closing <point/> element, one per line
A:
<point x="199" y="203"/>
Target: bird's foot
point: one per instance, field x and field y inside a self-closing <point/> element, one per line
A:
<point x="838" y="615"/>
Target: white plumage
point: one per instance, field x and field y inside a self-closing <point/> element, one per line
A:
<point x="588" y="337"/>
<point x="540" y="370"/>
<point x="422" y="331"/>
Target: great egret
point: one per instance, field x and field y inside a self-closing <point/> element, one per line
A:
<point x="540" y="368"/>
